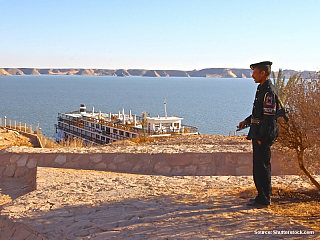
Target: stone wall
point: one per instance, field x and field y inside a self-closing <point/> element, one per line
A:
<point x="194" y="164"/>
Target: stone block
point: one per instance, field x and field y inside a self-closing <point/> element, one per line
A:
<point x="204" y="158"/>
<point x="32" y="163"/>
<point x="100" y="166"/>
<point x="231" y="160"/>
<point x="148" y="164"/>
<point x="74" y="158"/>
<point x="190" y="170"/>
<point x="2" y="169"/>
<point x="10" y="169"/>
<point x="71" y="164"/>
<point x="218" y="160"/>
<point x="244" y="159"/>
<point x="137" y="167"/>
<point x="108" y="157"/>
<point x="244" y="171"/>
<point x="162" y="167"/>
<point x="41" y="159"/>
<point x="182" y="159"/>
<point x="22" y="161"/>
<point x="96" y="158"/>
<point x="206" y="170"/>
<point x="84" y="161"/>
<point x="49" y="159"/>
<point x="119" y="159"/>
<point x="226" y="171"/>
<point x="61" y="159"/>
<point x="125" y="167"/>
<point x="177" y="170"/>
<point x="158" y="156"/>
<point x="112" y="166"/>
<point x="14" y="158"/>
<point x="20" y="172"/>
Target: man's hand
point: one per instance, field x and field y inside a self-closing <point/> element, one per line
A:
<point x="242" y="124"/>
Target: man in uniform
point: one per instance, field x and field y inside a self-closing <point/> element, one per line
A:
<point x="263" y="131"/>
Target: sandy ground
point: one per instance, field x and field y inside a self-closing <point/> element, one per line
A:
<point x="10" y="138"/>
<point x="175" y="144"/>
<point x="82" y="204"/>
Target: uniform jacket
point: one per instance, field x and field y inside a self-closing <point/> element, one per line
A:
<point x="264" y="109"/>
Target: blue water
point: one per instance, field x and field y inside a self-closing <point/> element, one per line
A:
<point x="214" y="105"/>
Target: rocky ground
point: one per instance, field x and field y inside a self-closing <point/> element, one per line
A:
<point x="83" y="204"/>
<point x="174" y="144"/>
<point x="10" y="138"/>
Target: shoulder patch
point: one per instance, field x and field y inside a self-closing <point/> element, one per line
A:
<point x="269" y="104"/>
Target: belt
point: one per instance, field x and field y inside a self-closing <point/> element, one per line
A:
<point x="255" y="120"/>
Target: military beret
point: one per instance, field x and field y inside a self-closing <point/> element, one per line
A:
<point x="261" y="64"/>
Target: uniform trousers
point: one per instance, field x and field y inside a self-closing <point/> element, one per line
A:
<point x="262" y="171"/>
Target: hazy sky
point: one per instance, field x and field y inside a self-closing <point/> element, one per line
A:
<point x="157" y="34"/>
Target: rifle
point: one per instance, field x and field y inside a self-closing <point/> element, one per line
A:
<point x="245" y="126"/>
<point x="282" y="112"/>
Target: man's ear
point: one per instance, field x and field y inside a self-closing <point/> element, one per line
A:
<point x="263" y="73"/>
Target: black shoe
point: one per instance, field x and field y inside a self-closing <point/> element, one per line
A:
<point x="257" y="205"/>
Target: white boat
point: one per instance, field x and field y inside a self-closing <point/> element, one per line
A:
<point x="102" y="128"/>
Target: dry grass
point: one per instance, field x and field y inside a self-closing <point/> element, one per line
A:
<point x="69" y="142"/>
<point x="142" y="139"/>
<point x="301" y="206"/>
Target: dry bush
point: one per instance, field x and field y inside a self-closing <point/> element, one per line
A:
<point x="69" y="142"/>
<point x="299" y="137"/>
<point x="74" y="142"/>
<point x="142" y="139"/>
<point x="47" y="143"/>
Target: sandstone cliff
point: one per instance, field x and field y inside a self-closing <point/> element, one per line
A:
<point x="4" y="72"/>
<point x="207" y="72"/>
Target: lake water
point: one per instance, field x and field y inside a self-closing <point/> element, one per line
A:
<point x="214" y="105"/>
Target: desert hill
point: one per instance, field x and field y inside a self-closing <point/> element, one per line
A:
<point x="207" y="72"/>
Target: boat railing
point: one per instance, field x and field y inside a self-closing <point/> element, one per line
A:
<point x="81" y="124"/>
<point x="171" y="130"/>
<point x="88" y="135"/>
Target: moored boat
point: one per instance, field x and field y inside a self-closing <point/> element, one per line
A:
<point x="102" y="128"/>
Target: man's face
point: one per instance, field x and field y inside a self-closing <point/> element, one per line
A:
<point x="258" y="75"/>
